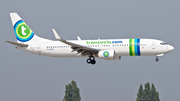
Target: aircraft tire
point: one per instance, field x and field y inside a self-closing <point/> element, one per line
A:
<point x="89" y="61"/>
<point x="156" y="59"/>
<point x="93" y="62"/>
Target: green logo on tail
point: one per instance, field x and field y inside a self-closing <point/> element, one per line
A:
<point x="22" y="31"/>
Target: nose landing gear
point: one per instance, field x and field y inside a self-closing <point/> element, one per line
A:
<point x="157" y="59"/>
<point x="91" y="60"/>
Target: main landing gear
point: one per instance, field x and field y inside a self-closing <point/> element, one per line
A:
<point x="91" y="60"/>
<point x="157" y="59"/>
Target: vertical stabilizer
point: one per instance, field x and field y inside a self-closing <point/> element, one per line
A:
<point x="22" y="31"/>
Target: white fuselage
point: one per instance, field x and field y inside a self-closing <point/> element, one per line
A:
<point x="120" y="46"/>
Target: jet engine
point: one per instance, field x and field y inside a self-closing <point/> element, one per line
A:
<point x="108" y="55"/>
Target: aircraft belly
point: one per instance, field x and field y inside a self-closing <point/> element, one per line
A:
<point x="122" y="52"/>
<point x="67" y="53"/>
<point x="28" y="49"/>
<point x="61" y="53"/>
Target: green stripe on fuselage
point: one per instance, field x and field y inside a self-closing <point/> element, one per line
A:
<point x="130" y="47"/>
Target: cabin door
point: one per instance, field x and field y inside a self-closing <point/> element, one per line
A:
<point x="153" y="45"/>
<point x="39" y="48"/>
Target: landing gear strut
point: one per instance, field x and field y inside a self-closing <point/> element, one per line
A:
<point x="91" y="60"/>
<point x="156" y="59"/>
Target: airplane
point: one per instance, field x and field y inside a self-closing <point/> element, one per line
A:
<point x="108" y="49"/>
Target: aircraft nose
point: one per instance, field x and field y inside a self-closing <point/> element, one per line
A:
<point x="170" y="48"/>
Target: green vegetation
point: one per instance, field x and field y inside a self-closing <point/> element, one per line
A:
<point x="72" y="92"/>
<point x="148" y="94"/>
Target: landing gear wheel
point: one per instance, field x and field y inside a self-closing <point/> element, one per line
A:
<point x="91" y="60"/>
<point x="156" y="59"/>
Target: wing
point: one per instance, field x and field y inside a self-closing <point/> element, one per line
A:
<point x="82" y="50"/>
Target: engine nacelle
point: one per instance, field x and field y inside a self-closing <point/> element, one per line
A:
<point x="108" y="55"/>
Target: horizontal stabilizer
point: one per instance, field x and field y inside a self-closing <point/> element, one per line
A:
<point x="17" y="44"/>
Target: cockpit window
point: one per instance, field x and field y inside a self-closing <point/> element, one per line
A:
<point x="163" y="43"/>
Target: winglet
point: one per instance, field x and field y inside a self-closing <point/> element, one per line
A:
<point x="78" y="38"/>
<point x="56" y="35"/>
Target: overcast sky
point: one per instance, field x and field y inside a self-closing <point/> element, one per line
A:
<point x="29" y="77"/>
